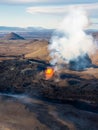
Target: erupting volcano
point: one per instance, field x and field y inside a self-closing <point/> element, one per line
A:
<point x="71" y="44"/>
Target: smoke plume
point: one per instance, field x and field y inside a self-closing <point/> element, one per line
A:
<point x="70" y="41"/>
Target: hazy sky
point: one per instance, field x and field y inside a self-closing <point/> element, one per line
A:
<point x="43" y="13"/>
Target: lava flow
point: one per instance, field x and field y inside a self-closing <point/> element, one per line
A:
<point x="49" y="73"/>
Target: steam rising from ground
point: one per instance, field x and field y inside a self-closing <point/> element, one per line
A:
<point x="70" y="40"/>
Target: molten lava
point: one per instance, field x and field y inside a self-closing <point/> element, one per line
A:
<point x="49" y="73"/>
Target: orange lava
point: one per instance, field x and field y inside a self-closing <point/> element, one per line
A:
<point x="49" y="73"/>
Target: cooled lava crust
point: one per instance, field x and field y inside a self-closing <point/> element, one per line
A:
<point x="27" y="76"/>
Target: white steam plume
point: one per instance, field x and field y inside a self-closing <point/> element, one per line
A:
<point x="70" y="40"/>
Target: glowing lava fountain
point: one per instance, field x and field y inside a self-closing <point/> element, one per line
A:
<point x="49" y="72"/>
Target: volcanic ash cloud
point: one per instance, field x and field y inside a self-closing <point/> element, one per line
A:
<point x="70" y="40"/>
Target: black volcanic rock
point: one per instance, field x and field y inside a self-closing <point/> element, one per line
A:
<point x="13" y="36"/>
<point x="80" y="63"/>
<point x="24" y="76"/>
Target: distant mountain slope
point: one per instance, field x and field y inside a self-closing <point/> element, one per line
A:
<point x="9" y="29"/>
<point x="19" y="29"/>
<point x="13" y="36"/>
<point x="28" y="32"/>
